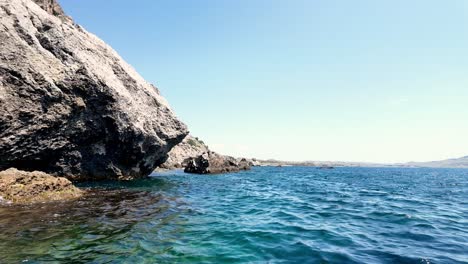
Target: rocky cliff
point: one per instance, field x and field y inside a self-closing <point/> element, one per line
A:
<point x="70" y="105"/>
<point x="190" y="147"/>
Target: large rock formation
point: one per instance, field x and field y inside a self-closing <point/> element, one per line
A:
<point x="69" y="104"/>
<point x="190" y="147"/>
<point x="213" y="163"/>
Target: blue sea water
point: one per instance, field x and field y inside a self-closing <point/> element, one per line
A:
<point x="266" y="215"/>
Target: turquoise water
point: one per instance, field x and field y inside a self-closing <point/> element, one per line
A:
<point x="267" y="215"/>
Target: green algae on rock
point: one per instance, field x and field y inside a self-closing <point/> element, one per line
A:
<point x="29" y="187"/>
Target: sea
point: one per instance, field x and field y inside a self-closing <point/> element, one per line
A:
<point x="265" y="215"/>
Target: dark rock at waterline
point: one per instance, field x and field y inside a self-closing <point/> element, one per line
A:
<point x="212" y="163"/>
<point x="70" y="105"/>
<point x="326" y="167"/>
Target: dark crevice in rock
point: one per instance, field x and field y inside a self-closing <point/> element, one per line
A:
<point x="7" y="11"/>
<point x="23" y="34"/>
<point x="44" y="28"/>
<point x="123" y="76"/>
<point x="11" y="75"/>
<point x="60" y="53"/>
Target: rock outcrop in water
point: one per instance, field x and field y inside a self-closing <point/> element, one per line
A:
<point x="26" y="187"/>
<point x="70" y="105"/>
<point x="178" y="157"/>
<point x="213" y="163"/>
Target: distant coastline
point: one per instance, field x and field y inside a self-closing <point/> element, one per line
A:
<point x="449" y="163"/>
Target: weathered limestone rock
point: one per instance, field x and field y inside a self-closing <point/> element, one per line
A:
<point x="179" y="155"/>
<point x="70" y="105"/>
<point x="27" y="187"/>
<point x="51" y="6"/>
<point x="213" y="163"/>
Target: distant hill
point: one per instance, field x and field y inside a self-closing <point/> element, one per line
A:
<point x="449" y="163"/>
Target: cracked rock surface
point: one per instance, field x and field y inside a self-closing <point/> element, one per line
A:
<point x="70" y="105"/>
<point x="190" y="147"/>
<point x="214" y="163"/>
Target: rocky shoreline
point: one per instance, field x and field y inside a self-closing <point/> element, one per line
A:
<point x="194" y="156"/>
<point x="178" y="156"/>
<point x="71" y="109"/>
<point x="214" y="163"/>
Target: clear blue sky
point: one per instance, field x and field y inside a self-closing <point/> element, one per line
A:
<point x="381" y="81"/>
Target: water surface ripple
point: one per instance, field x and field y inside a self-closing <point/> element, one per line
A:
<point x="267" y="215"/>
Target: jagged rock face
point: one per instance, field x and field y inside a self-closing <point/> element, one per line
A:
<point x="51" y="6"/>
<point x="69" y="105"/>
<point x="213" y="163"/>
<point x="190" y="147"/>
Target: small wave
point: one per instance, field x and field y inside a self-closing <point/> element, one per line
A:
<point x="292" y="215"/>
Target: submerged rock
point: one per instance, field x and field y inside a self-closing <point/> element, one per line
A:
<point x="70" y="105"/>
<point x="178" y="157"/>
<point x="212" y="163"/>
<point x="26" y="187"/>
